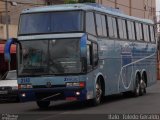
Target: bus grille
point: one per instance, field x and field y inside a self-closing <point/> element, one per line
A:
<point x="5" y="88"/>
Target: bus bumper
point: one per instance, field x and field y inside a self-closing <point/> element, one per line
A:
<point x="48" y="94"/>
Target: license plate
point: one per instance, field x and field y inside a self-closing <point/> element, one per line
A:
<point x="3" y="92"/>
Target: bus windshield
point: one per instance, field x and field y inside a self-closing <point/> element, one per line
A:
<point x="48" y="57"/>
<point x="51" y="22"/>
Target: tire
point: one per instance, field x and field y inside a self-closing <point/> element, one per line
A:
<point x="99" y="92"/>
<point x="43" y="104"/>
<point x="136" y="91"/>
<point x="17" y="99"/>
<point x="142" y="86"/>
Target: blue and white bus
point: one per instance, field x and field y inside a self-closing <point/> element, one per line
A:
<point x="82" y="52"/>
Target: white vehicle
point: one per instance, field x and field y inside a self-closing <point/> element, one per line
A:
<point x="9" y="87"/>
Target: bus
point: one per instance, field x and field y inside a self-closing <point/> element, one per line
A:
<point x="82" y="52"/>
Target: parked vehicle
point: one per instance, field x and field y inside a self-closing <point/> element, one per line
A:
<point x="9" y="87"/>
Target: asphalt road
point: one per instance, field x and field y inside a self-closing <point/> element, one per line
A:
<point x="61" y="110"/>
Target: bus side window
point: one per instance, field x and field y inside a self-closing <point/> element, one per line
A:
<point x="104" y="25"/>
<point x="131" y="32"/>
<point x="95" y="54"/>
<point x="89" y="57"/>
<point x="122" y="29"/>
<point x="152" y="34"/>
<point x="92" y="55"/>
<point x="146" y="32"/>
<point x="99" y="25"/>
<point x="90" y="23"/>
<point x="129" y="28"/>
<point x="138" y="31"/>
<point x="112" y="27"/>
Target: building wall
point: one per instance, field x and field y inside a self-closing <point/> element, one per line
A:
<point x="12" y="31"/>
<point x="14" y="13"/>
<point x="138" y="8"/>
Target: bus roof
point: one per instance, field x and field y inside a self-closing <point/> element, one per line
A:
<point x="86" y="7"/>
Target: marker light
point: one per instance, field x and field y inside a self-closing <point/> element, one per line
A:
<point x="75" y="84"/>
<point x="82" y="84"/>
<point x="27" y="86"/>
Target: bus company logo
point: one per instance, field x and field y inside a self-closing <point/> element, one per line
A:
<point x="48" y="85"/>
<point x="126" y="48"/>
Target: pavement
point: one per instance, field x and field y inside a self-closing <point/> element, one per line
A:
<point x="113" y="107"/>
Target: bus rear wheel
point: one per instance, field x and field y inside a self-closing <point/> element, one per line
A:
<point x="136" y="91"/>
<point x="98" y="94"/>
<point x="43" y="104"/>
<point x="143" y="86"/>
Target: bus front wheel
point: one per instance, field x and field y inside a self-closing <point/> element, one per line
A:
<point x="43" y="104"/>
<point x="98" y="93"/>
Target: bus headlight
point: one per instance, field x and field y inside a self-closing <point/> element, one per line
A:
<point x="75" y="84"/>
<point x="27" y="86"/>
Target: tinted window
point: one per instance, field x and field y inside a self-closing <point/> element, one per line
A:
<point x="130" y="28"/>
<point x="95" y="54"/>
<point x="140" y="31"/>
<point x="137" y="31"/>
<point x="146" y="32"/>
<point x="152" y="34"/>
<point x="99" y="25"/>
<point x="112" y="27"/>
<point x="122" y="29"/>
<point x="104" y="25"/>
<point x="90" y="23"/>
<point x="133" y="31"/>
<point x="54" y="22"/>
<point x="46" y="57"/>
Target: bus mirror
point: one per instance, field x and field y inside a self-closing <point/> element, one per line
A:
<point x="7" y="48"/>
